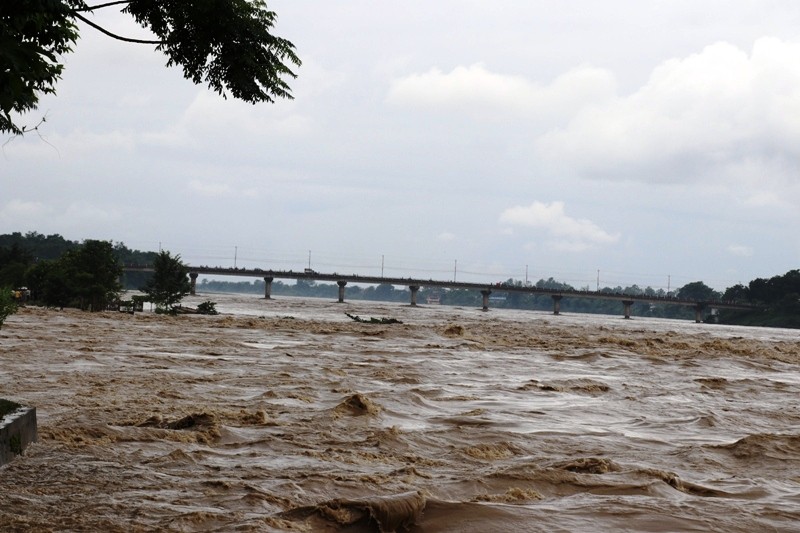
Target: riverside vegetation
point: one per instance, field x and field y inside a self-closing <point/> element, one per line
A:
<point x="62" y="273"/>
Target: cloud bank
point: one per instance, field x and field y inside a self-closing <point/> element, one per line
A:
<point x="720" y="114"/>
<point x="720" y="108"/>
<point x="567" y="233"/>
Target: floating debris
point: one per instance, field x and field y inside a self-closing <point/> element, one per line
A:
<point x="373" y="320"/>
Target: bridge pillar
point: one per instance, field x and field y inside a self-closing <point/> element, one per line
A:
<point x="268" y="287"/>
<point x="627" y="308"/>
<point x="485" y="293"/>
<point x="698" y="312"/>
<point x="193" y="283"/>
<point x="413" y="289"/>
<point x="341" y="285"/>
<point x="556" y="303"/>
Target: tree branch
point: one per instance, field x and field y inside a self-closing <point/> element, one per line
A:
<point x="27" y="129"/>
<point x="101" y="6"/>
<point x="113" y="35"/>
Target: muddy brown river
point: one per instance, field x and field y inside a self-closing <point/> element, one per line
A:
<point x="286" y="415"/>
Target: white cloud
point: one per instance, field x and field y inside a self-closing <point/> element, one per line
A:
<point x="209" y="116"/>
<point x="570" y="234"/>
<point x="740" y="250"/>
<point x="698" y="116"/>
<point x="446" y="236"/>
<point x="475" y="90"/>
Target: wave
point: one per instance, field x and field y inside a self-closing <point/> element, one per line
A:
<point x="357" y="405"/>
<point x="761" y="445"/>
<point x="386" y="513"/>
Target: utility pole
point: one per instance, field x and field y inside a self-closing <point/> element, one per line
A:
<point x="309" y="259"/>
<point x="455" y="269"/>
<point x="382" y="258"/>
<point x="526" y="275"/>
<point x="598" y="280"/>
<point x="668" y="282"/>
<point x="235" y="254"/>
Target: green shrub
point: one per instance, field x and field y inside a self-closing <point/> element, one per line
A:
<point x="8" y="306"/>
<point x="207" y="308"/>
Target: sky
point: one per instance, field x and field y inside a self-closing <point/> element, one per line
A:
<point x="599" y="143"/>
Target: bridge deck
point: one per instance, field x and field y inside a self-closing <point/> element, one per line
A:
<point x="413" y="282"/>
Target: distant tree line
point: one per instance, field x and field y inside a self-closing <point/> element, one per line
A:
<point x="778" y="296"/>
<point x="19" y="252"/>
<point x="59" y="272"/>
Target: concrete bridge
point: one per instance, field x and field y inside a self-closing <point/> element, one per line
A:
<point x="414" y="285"/>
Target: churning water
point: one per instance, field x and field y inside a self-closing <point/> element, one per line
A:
<point x="285" y="415"/>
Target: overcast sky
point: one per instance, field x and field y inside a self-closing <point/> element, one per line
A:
<point x="653" y="141"/>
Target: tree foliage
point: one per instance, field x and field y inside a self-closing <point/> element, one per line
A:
<point x="94" y="272"/>
<point x="14" y="261"/>
<point x="778" y="299"/>
<point x="7" y="304"/>
<point x="20" y="253"/>
<point x="169" y="283"/>
<point x="227" y="44"/>
<point x="207" y="308"/>
<point x="775" y="290"/>
<point x="736" y="293"/>
<point x="33" y="34"/>
<point x="36" y="246"/>
<point x="86" y="277"/>
<point x="697" y="290"/>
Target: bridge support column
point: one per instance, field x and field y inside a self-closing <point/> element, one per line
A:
<point x="556" y="303"/>
<point x="193" y="283"/>
<point x="485" y="294"/>
<point x="698" y="312"/>
<point x="268" y="287"/>
<point x="414" y="289"/>
<point x="627" y="308"/>
<point x="341" y="285"/>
